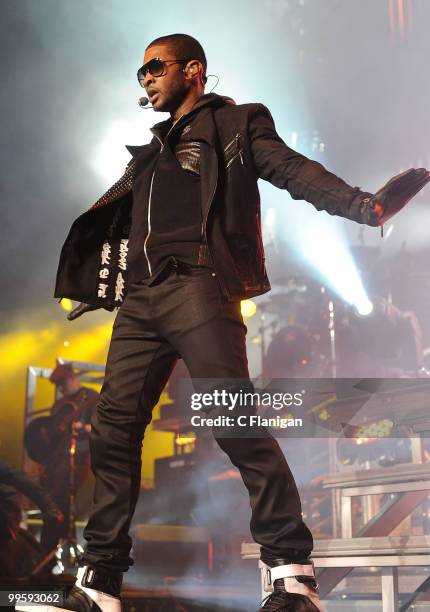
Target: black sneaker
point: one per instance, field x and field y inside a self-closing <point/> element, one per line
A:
<point x="94" y="591"/>
<point x="293" y="586"/>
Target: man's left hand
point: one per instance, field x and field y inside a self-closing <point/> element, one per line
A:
<point x="397" y="192"/>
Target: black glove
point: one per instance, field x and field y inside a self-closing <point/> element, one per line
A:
<point x="397" y="192"/>
<point x="80" y="309"/>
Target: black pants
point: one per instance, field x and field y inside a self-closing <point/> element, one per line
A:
<point x="183" y="313"/>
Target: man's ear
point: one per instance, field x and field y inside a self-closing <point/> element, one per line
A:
<point x="193" y="68"/>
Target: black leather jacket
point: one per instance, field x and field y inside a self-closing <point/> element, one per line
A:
<point x="238" y="145"/>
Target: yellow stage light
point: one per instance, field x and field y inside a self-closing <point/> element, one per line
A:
<point x="377" y="429"/>
<point x="66" y="304"/>
<point x="248" y="308"/>
<point x="324" y="415"/>
<point x="185" y="439"/>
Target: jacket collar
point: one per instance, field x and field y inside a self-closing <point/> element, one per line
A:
<point x="162" y="128"/>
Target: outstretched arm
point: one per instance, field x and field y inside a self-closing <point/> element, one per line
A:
<point x="306" y="179"/>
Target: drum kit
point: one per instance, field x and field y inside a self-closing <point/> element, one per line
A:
<point x="305" y="331"/>
<point x="297" y="328"/>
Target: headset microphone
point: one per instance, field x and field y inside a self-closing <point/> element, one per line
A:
<point x="143" y="103"/>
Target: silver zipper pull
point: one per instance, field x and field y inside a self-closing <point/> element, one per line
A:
<point x="237" y="138"/>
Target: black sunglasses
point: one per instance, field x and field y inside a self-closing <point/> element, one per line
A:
<point x="156" y="67"/>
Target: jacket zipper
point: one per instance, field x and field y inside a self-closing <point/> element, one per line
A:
<point x="149" y="222"/>
<point x="204" y="222"/>
<point x="149" y="212"/>
<point x="238" y="154"/>
<point x="150" y="197"/>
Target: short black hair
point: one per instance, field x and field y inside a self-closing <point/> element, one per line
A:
<point x="183" y="46"/>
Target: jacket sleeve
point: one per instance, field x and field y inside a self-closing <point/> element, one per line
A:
<point x="304" y="178"/>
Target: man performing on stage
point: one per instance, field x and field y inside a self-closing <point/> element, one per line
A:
<point x="176" y="243"/>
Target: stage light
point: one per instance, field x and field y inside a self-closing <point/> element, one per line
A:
<point x="110" y="156"/>
<point x="364" y="307"/>
<point x="185" y="439"/>
<point x="324" y="415"/>
<point x="320" y="240"/>
<point x="372" y="431"/>
<point x="66" y="304"/>
<point x="248" y="308"/>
